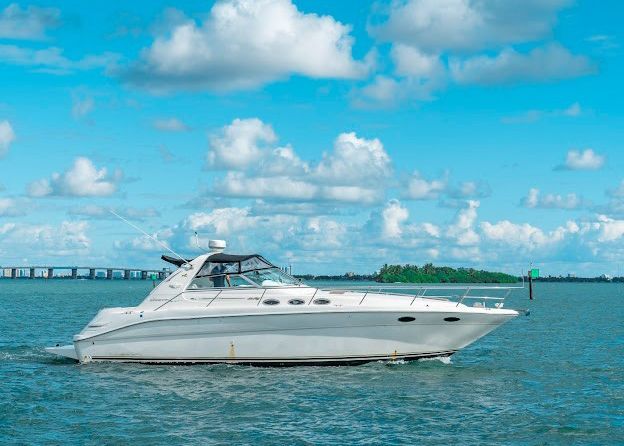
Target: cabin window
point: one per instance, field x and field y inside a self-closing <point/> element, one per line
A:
<point x="407" y="319"/>
<point x="451" y="319"/>
<point x="235" y="280"/>
<point x="270" y="302"/>
<point x="321" y="301"/>
<point x="296" y="302"/>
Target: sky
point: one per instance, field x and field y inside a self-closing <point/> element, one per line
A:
<point x="331" y="136"/>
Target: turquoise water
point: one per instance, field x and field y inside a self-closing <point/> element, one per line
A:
<point x="555" y="377"/>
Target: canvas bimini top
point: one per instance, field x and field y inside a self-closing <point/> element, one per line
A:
<point x="226" y="263"/>
<point x="228" y="270"/>
<point x="220" y="263"/>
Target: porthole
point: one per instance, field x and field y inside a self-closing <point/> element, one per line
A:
<point x="407" y="319"/>
<point x="451" y="319"/>
<point x="296" y="302"/>
<point x="321" y="301"/>
<point x="270" y="302"/>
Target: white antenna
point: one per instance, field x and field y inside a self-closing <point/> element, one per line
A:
<point x="197" y="243"/>
<point x="151" y="237"/>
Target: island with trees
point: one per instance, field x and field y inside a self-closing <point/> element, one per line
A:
<point x="429" y="273"/>
<point x="424" y="274"/>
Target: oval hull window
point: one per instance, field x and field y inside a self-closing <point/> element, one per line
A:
<point x="270" y="302"/>
<point x="296" y="302"/>
<point x="451" y="319"/>
<point x="407" y="319"/>
<point x="321" y="301"/>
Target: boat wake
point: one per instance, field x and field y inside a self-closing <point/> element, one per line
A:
<point x="446" y="360"/>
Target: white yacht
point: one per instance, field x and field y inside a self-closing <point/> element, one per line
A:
<point x="241" y="309"/>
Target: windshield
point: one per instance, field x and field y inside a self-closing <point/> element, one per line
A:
<point x="271" y="277"/>
<point x="262" y="278"/>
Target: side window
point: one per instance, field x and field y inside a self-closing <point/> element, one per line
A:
<point x="238" y="281"/>
<point x="200" y="283"/>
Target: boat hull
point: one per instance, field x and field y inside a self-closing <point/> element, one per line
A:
<point x="327" y="338"/>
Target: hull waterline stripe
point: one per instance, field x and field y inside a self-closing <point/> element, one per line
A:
<point x="344" y="360"/>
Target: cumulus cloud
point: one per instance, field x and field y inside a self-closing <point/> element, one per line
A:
<point x="467" y="25"/>
<point x="353" y="172"/>
<point x="535" y="199"/>
<point x="418" y="77"/>
<point x="551" y="62"/>
<point x="519" y="235"/>
<point x="244" y="44"/>
<point x="394" y="215"/>
<point x="419" y="188"/>
<point x="67" y="239"/>
<point x="82" y="179"/>
<point x="437" y="42"/>
<point x="30" y="23"/>
<point x="582" y="160"/>
<point x="354" y="160"/>
<point x="7" y="136"/>
<point x="240" y="144"/>
<point x="170" y="125"/>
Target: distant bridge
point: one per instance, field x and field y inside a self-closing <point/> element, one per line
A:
<point x="47" y="272"/>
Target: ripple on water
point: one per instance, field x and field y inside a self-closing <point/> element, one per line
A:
<point x="551" y="378"/>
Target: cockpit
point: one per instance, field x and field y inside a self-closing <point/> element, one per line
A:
<point x="227" y="270"/>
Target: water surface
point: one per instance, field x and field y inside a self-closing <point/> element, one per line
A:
<point x="555" y="377"/>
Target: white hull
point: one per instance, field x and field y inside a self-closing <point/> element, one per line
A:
<point x="280" y="325"/>
<point x="283" y="339"/>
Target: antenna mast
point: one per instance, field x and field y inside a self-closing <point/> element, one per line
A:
<point x="151" y="237"/>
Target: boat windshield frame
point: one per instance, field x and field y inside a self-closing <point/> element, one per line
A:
<point x="217" y="267"/>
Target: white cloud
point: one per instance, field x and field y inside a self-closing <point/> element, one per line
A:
<point x="7" y="136"/>
<point x="550" y="62"/>
<point x="146" y="244"/>
<point x="393" y="217"/>
<point x="11" y="207"/>
<point x="51" y="60"/>
<point x="535" y="199"/>
<point x="419" y="188"/>
<point x="240" y="144"/>
<point x="463" y="229"/>
<point x="243" y="44"/>
<point x="583" y="160"/>
<point x="526" y="237"/>
<point x="468" y="25"/>
<point x="170" y="125"/>
<point x="420" y="76"/>
<point x="237" y="184"/>
<point x="82" y="179"/>
<point x="609" y="229"/>
<point x="30" y="23"/>
<point x="354" y="172"/>
<point x="358" y="195"/>
<point x="435" y="42"/>
<point x="354" y="161"/>
<point x="411" y="62"/>
<point x="68" y="238"/>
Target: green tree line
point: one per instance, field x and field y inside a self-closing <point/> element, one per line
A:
<point x="439" y="274"/>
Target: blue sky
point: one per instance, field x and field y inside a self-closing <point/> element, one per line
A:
<point x="330" y="135"/>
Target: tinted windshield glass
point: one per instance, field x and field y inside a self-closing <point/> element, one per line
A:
<point x="271" y="277"/>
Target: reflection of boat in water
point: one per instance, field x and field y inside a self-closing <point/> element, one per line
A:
<point x="223" y="308"/>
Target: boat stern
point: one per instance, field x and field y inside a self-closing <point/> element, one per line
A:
<point x="66" y="351"/>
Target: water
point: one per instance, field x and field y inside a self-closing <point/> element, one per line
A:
<point x="555" y="377"/>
